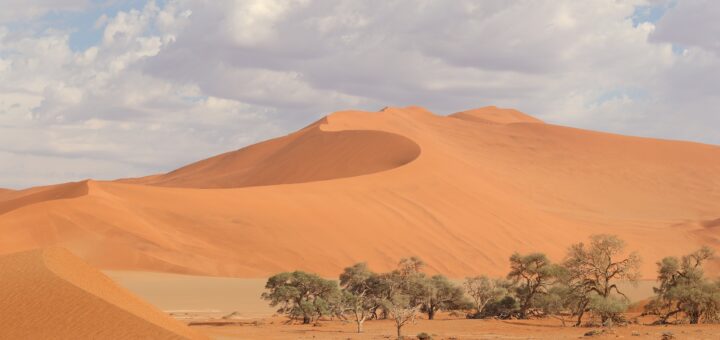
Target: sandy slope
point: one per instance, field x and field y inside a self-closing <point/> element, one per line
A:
<point x="4" y="193"/>
<point x="310" y="154"/>
<point x="51" y="294"/>
<point x="463" y="192"/>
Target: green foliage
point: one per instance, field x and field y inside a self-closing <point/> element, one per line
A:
<point x="533" y="274"/>
<point x="484" y="290"/>
<point x="362" y="292"/>
<point x="609" y="309"/>
<point x="591" y="274"/>
<point x="302" y="295"/>
<point x="558" y="301"/>
<point x="684" y="289"/>
<point x="502" y="309"/>
<point x="409" y="290"/>
<point x="438" y="293"/>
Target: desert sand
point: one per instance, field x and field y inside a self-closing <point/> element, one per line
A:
<point x="51" y="294"/>
<point x="448" y="328"/>
<point x="462" y="191"/>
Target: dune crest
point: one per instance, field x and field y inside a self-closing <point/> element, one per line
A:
<point x="15" y="199"/>
<point x="51" y="294"/>
<point x="463" y="192"/>
<point x="493" y="114"/>
<point x="305" y="156"/>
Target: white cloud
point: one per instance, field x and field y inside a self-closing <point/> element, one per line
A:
<point x="177" y="81"/>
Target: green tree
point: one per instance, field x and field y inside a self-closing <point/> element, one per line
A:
<point x="484" y="290"/>
<point x="684" y="289"/>
<point x="592" y="272"/>
<point x="438" y="293"/>
<point x="558" y="301"/>
<point x="301" y="295"/>
<point x="360" y="287"/>
<point x="533" y="274"/>
<point x="503" y="308"/>
<point x="404" y="291"/>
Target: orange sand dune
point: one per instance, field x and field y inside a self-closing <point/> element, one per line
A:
<point x="51" y="294"/>
<point x="463" y="192"/>
<point x="492" y="114"/>
<point x="308" y="155"/>
<point x="16" y="199"/>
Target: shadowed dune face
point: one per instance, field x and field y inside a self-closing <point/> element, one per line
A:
<point x="307" y="156"/>
<point x="462" y="192"/>
<point x="14" y="199"/>
<point x="51" y="294"/>
<point x="711" y="223"/>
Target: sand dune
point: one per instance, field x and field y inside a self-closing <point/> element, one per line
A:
<point x="495" y="115"/>
<point x="51" y="294"/>
<point x="463" y="192"/>
<point x="15" y="199"/>
<point x="307" y="155"/>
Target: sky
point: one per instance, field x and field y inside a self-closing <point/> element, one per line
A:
<point x="108" y="89"/>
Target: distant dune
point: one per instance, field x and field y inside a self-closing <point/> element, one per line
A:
<point x="51" y="294"/>
<point x="462" y="191"/>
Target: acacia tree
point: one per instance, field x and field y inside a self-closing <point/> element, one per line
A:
<point x="358" y="284"/>
<point x="484" y="290"/>
<point x="558" y="300"/>
<point x="684" y="289"/>
<point x="533" y="274"/>
<point x="438" y="293"/>
<point x="404" y="289"/>
<point x="592" y="274"/>
<point x="300" y="294"/>
<point x="403" y="311"/>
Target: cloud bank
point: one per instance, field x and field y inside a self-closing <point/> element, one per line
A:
<point x="159" y="84"/>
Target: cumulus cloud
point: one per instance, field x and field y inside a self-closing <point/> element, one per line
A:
<point x="175" y="81"/>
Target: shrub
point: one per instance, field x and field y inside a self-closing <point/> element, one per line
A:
<point x="424" y="336"/>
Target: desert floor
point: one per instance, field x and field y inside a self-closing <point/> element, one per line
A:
<point x="203" y="301"/>
<point x="275" y="328"/>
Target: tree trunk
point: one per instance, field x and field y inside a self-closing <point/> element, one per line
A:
<point x="694" y="318"/>
<point x="523" y="310"/>
<point x="399" y="332"/>
<point x="580" y="314"/>
<point x="431" y="313"/>
<point x="306" y="319"/>
<point x="360" y="326"/>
